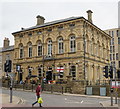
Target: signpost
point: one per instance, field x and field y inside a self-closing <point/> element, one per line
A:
<point x="115" y="84"/>
<point x="60" y="71"/>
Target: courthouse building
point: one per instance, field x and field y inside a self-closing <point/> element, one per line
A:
<point x="72" y="47"/>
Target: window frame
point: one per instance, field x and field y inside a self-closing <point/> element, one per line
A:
<point x="73" y="71"/>
<point x="49" y="47"/>
<point x="39" y="49"/>
<point x="30" y="50"/>
<point x="60" y="46"/>
<point x="72" y="43"/>
<point x="21" y="51"/>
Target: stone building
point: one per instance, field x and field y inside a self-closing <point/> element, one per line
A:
<point x="68" y="48"/>
<point x="114" y="44"/>
<point x="7" y="54"/>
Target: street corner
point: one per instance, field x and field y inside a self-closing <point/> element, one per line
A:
<point x="108" y="104"/>
<point x="15" y="101"/>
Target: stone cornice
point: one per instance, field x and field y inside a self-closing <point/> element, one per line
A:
<point x="54" y="59"/>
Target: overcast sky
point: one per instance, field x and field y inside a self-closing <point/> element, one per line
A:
<point x="14" y="14"/>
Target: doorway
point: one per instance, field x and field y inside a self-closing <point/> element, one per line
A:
<point x="20" y="76"/>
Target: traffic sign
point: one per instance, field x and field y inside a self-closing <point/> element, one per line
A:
<point x="115" y="84"/>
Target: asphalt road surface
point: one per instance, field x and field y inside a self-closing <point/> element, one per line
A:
<point x="55" y="100"/>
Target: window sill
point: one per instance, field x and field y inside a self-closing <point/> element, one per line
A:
<point x="60" y="54"/>
<point x="38" y="56"/>
<point x="29" y="57"/>
<point x="71" y="52"/>
<point x="20" y="58"/>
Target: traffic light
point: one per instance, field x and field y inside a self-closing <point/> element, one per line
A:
<point x="118" y="74"/>
<point x="105" y="71"/>
<point x="110" y="72"/>
<point x="5" y="68"/>
<point x="8" y="66"/>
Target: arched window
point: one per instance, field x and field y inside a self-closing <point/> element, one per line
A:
<point x="86" y="43"/>
<point x="72" y="44"/>
<point x="30" y="50"/>
<point x="39" y="49"/>
<point x="49" y="47"/>
<point x="60" y="45"/>
<point x="92" y="47"/>
<point x="21" y="51"/>
<point x="86" y="46"/>
<point x="97" y="49"/>
<point x="102" y="50"/>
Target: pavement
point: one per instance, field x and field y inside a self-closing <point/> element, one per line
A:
<point x="18" y="101"/>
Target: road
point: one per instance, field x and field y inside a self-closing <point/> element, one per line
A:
<point x="55" y="100"/>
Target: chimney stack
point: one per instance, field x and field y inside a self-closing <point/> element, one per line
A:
<point x="6" y="42"/>
<point x="89" y="12"/>
<point x="40" y="20"/>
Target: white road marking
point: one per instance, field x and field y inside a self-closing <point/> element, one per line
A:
<point x="82" y="101"/>
<point x="72" y="102"/>
<point x="65" y="98"/>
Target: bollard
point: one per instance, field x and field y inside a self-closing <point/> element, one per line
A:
<point x="116" y="95"/>
<point x="111" y="99"/>
<point x="10" y="94"/>
<point x="111" y="90"/>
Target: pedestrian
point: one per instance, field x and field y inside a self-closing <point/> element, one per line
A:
<point x="38" y="93"/>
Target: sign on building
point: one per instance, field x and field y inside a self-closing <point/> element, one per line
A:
<point x="60" y="69"/>
<point x="115" y="84"/>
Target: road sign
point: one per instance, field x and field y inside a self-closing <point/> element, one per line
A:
<point x="116" y="85"/>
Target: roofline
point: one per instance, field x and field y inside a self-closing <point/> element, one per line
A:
<point x="44" y="25"/>
<point x="97" y="27"/>
<point x="7" y="49"/>
<point x="58" y="23"/>
<point x="111" y="29"/>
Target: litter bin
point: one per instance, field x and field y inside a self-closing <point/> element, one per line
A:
<point x="102" y="91"/>
<point x="89" y="90"/>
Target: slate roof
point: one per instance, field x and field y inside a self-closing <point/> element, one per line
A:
<point x="8" y="48"/>
<point x="49" y="23"/>
<point x="58" y="21"/>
